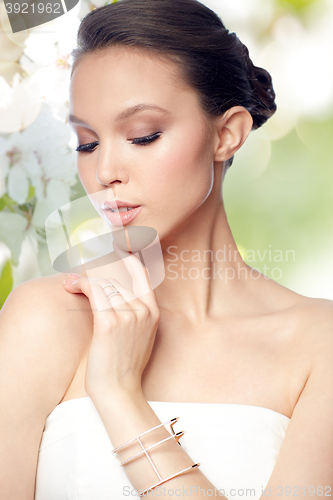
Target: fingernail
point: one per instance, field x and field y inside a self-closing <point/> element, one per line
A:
<point x="72" y="278"/>
<point x="70" y="281"/>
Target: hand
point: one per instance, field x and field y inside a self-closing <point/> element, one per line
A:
<point x="124" y="330"/>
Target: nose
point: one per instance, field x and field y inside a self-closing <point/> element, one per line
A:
<point x="110" y="169"/>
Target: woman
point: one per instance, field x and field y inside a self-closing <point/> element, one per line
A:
<point x="162" y="96"/>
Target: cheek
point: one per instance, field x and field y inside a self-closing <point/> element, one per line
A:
<point x="80" y="173"/>
<point x="85" y="180"/>
<point x="87" y="174"/>
<point x="185" y="171"/>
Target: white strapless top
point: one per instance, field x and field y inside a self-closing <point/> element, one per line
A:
<point x="237" y="446"/>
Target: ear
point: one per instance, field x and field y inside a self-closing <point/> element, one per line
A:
<point x="232" y="130"/>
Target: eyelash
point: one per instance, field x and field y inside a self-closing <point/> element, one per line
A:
<point x="140" y="141"/>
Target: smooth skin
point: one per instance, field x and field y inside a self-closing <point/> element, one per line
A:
<point x="246" y="340"/>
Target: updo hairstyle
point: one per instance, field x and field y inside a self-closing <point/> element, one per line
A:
<point x="211" y="60"/>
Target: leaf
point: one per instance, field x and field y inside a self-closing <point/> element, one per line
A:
<point x="31" y="192"/>
<point x="25" y="207"/>
<point x="6" y="201"/>
<point x="6" y="282"/>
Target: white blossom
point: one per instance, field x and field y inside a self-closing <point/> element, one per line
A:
<point x="12" y="232"/>
<point x="18" y="184"/>
<point x="20" y="103"/>
<point x="4" y="166"/>
<point x="40" y="46"/>
<point x="40" y="156"/>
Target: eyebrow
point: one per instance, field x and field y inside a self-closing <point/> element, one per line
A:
<point x="124" y="114"/>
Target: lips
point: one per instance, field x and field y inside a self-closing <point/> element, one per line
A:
<point x="117" y="218"/>
<point x="116" y="204"/>
<point x="121" y="218"/>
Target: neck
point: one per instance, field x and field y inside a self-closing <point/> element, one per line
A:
<point x="203" y="268"/>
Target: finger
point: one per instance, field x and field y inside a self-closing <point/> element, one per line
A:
<point x="109" y="287"/>
<point x="97" y="292"/>
<point x="118" y="301"/>
<point x="71" y="278"/>
<point x="128" y="296"/>
<point x="92" y="288"/>
<point x="81" y="285"/>
<point x="99" y="297"/>
<point x="141" y="281"/>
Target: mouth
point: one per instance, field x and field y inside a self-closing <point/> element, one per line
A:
<point x="116" y="205"/>
<point x="119" y="212"/>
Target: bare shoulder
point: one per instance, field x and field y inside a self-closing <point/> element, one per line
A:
<point x="303" y="325"/>
<point x="311" y="323"/>
<point x="310" y="313"/>
<point x="316" y="318"/>
<point x="45" y="303"/>
<point x="315" y="315"/>
<point x="52" y="327"/>
<point x="306" y="454"/>
<point x="304" y="330"/>
<point x="43" y="331"/>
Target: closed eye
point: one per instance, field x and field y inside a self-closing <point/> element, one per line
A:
<point x="143" y="141"/>
<point x="140" y="141"/>
<point x="87" y="147"/>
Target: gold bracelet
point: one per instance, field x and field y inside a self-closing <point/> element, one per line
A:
<point x="174" y="435"/>
<point x="168" y="478"/>
<point x="171" y="422"/>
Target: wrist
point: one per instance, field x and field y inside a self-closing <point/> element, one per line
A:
<point x="118" y="396"/>
<point x="124" y="414"/>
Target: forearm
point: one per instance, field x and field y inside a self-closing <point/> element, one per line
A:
<point x="126" y="417"/>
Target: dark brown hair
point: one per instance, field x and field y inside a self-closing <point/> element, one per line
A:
<point x="212" y="60"/>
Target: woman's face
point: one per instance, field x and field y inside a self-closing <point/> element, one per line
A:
<point x="170" y="174"/>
